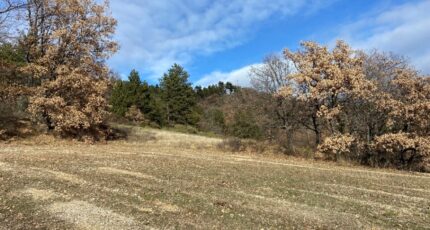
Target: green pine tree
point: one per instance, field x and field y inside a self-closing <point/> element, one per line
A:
<point x="130" y="93"/>
<point x="135" y="91"/>
<point x="156" y="106"/>
<point x="118" y="98"/>
<point x="178" y="97"/>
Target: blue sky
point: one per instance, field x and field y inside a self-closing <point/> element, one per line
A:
<point x="221" y="39"/>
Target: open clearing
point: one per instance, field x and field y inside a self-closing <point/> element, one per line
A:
<point x="159" y="180"/>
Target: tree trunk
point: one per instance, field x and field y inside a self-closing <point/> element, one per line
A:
<point x="316" y="130"/>
<point x="289" y="135"/>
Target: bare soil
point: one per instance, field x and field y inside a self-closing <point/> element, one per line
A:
<point x="159" y="180"/>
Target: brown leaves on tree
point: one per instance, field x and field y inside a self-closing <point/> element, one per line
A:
<point x="68" y="49"/>
<point x="365" y="105"/>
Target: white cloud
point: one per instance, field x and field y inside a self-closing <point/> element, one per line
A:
<point x="404" y="29"/>
<point x="237" y="77"/>
<point x="155" y="34"/>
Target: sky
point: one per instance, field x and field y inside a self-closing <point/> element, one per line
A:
<point x="220" y="40"/>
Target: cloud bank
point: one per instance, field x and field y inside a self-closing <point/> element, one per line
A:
<point x="403" y="29"/>
<point x="237" y="77"/>
<point x="155" y="34"/>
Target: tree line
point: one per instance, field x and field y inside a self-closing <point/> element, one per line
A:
<point x="175" y="102"/>
<point x="343" y="104"/>
<point x="372" y="108"/>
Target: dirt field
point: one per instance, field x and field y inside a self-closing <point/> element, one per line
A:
<point x="160" y="180"/>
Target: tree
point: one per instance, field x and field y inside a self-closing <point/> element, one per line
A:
<point x="323" y="81"/>
<point x="8" y="9"/>
<point x="133" y="92"/>
<point x="269" y="78"/>
<point x="272" y="75"/>
<point x="373" y="108"/>
<point x="156" y="112"/>
<point x="178" y="97"/>
<point x="14" y="89"/>
<point x="244" y="126"/>
<point x="137" y="92"/>
<point x="67" y="44"/>
<point x="219" y="89"/>
<point x="7" y="6"/>
<point x="118" y="98"/>
<point x="372" y="114"/>
<point x="12" y="80"/>
<point x="231" y="88"/>
<point x="410" y="110"/>
<point x="247" y="110"/>
<point x="215" y="102"/>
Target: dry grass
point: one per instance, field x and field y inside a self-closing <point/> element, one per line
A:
<point x="160" y="179"/>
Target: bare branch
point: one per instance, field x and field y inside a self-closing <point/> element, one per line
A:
<point x="7" y="6"/>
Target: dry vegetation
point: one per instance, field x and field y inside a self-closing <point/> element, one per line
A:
<point x="160" y="179"/>
<point x="362" y="108"/>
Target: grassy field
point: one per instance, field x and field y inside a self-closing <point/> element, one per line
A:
<point x="160" y="179"/>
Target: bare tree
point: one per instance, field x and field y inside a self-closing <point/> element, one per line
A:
<point x="272" y="75"/>
<point x="7" y="6"/>
<point x="8" y="13"/>
<point x="269" y="78"/>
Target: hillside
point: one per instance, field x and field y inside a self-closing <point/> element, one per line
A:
<point x="159" y="179"/>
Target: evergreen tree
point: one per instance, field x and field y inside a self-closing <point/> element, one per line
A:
<point x="145" y="98"/>
<point x="231" y="88"/>
<point x="133" y="92"/>
<point x="118" y="98"/>
<point x="178" y="97"/>
<point x="155" y="112"/>
<point x="219" y="89"/>
<point x="137" y="92"/>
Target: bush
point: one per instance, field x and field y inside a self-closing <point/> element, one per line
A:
<point x="231" y="144"/>
<point x="185" y="129"/>
<point x="340" y="147"/>
<point x="135" y="115"/>
<point x="401" y="150"/>
<point x="244" y="126"/>
<point x="256" y="146"/>
<point x="14" y="119"/>
<point x="213" y="121"/>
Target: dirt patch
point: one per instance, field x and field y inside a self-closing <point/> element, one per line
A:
<point x="127" y="173"/>
<point x="87" y="216"/>
<point x="5" y="167"/>
<point x="399" y="196"/>
<point x="318" y="216"/>
<point x="165" y="207"/>
<point x="62" y="176"/>
<point x="40" y="195"/>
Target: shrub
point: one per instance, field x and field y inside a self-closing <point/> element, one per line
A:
<point x="213" y="121"/>
<point x="340" y="147"/>
<point x="244" y="126"/>
<point x="401" y="150"/>
<point x="185" y="129"/>
<point x="256" y="146"/>
<point x="231" y="144"/>
<point x="135" y="115"/>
